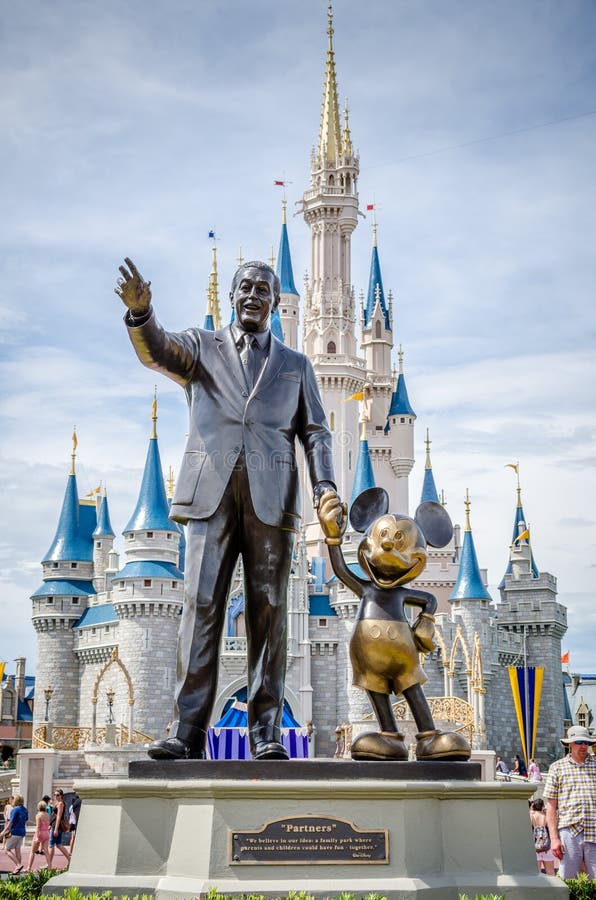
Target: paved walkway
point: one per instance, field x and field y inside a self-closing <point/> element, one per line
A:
<point x="7" y="865"/>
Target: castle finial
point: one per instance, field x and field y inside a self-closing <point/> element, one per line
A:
<point x="154" y="415"/>
<point x="443" y="498"/>
<point x="515" y="467"/>
<point x="75" y="444"/>
<point x="272" y="258"/>
<point x="240" y="259"/>
<point x="346" y="139"/>
<point x="468" y="504"/>
<point x="400" y="357"/>
<point x="428" y="443"/>
<point x="284" y="204"/>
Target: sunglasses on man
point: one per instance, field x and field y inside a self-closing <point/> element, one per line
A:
<point x="582" y="743"/>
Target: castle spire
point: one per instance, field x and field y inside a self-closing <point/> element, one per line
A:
<point x="72" y="540"/>
<point x="376" y="294"/>
<point x="469" y="584"/>
<point x="330" y="135"/>
<point x="213" y="312"/>
<point x="151" y="511"/>
<point x="429" y="488"/>
<point x="154" y="415"/>
<point x="104" y="526"/>
<point x="284" y="260"/>
<point x="400" y="402"/>
<point x="346" y="138"/>
<point x="363" y="476"/>
<point x="73" y="454"/>
<point x="520" y="528"/>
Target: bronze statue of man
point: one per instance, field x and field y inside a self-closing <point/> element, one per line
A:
<point x="238" y="492"/>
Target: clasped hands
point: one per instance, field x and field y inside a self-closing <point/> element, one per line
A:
<point x="333" y="517"/>
<point x="132" y="289"/>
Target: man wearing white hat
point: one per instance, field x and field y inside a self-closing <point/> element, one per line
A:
<point x="570" y="795"/>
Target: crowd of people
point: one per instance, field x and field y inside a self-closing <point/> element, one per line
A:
<point x="55" y="827"/>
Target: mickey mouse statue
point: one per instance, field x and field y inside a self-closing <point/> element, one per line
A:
<point x="384" y="647"/>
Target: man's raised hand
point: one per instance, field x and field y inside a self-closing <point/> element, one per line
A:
<point x="333" y="517"/>
<point x="134" y="292"/>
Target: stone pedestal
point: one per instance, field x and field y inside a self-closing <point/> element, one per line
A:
<point x="185" y="831"/>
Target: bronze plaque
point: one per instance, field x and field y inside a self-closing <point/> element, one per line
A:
<point x="307" y="841"/>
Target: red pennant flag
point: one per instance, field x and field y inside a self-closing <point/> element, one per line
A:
<point x="279" y="183"/>
<point x="370" y="205"/>
<point x="565" y="657"/>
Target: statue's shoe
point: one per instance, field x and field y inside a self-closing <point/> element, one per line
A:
<point x="174" y="748"/>
<point x="379" y="745"/>
<point x="437" y="744"/>
<point x="269" y="750"/>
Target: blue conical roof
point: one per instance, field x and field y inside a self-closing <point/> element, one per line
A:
<point x="363" y="476"/>
<point x="151" y="511"/>
<point x="104" y="526"/>
<point x="400" y="402"/>
<point x="429" y="489"/>
<point x="284" y="264"/>
<point x="469" y="584"/>
<point x="72" y="542"/>
<point x="520" y="525"/>
<point x="209" y="324"/>
<point x="375" y="285"/>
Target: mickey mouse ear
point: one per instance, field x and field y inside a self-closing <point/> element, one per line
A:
<point x="434" y="522"/>
<point x="368" y="506"/>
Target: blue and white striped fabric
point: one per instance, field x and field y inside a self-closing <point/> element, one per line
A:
<point x="232" y="743"/>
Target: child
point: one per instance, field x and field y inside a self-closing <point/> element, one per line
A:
<point x="41" y="835"/>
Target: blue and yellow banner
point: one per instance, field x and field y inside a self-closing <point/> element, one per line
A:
<point x="526" y="687"/>
<point x="2" y="667"/>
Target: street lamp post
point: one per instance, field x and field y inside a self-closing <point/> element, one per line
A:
<point x="110" y="694"/>
<point x="48" y="693"/>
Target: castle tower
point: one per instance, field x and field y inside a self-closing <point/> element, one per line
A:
<point x="399" y="428"/>
<point x="288" y="309"/>
<point x="519" y="527"/>
<point x="330" y="208"/>
<point x="363" y="476"/>
<point x="59" y="602"/>
<point x="429" y="488"/>
<point x="147" y="595"/>
<point x="534" y="622"/>
<point x="103" y="544"/>
<point x="377" y="336"/>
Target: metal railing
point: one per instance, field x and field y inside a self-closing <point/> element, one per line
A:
<point x="76" y="737"/>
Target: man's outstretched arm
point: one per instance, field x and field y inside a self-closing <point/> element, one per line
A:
<point x="174" y="355"/>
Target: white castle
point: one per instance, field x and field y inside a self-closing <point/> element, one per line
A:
<point x="101" y="621"/>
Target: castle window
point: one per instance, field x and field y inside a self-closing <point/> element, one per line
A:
<point x="169" y="535"/>
<point x="174" y="584"/>
<point x="147" y="582"/>
<point x="402" y="420"/>
<point x="130" y="536"/>
<point x="349" y="460"/>
<point x="74" y="565"/>
<point x="149" y="534"/>
<point x="410" y="421"/>
<point x="55" y="565"/>
<point x="50" y="600"/>
<point x="121" y="585"/>
<point x="322" y="623"/>
<point x="284" y="312"/>
<point x="107" y="629"/>
<point x="93" y="630"/>
<point x="75" y="601"/>
<point x="378" y="330"/>
<point x="98" y="545"/>
<point x="331" y="347"/>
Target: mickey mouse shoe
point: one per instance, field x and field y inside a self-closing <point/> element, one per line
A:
<point x="437" y="744"/>
<point x="384" y="745"/>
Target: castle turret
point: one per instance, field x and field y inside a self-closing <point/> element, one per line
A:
<point x="363" y="476"/>
<point x="429" y="489"/>
<point x="535" y="622"/>
<point x="400" y="429"/>
<point x="59" y="603"/>
<point x="289" y="308"/>
<point x="147" y="598"/>
<point x="377" y="337"/>
<point x="103" y="543"/>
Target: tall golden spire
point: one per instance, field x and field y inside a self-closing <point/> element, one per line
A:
<point x="330" y="134"/>
<point x="467" y="504"/>
<point x="154" y="415"/>
<point x="428" y="443"/>
<point x="74" y="450"/>
<point x="213" y="309"/>
<point x="170" y="483"/>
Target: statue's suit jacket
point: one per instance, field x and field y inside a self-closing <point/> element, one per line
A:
<point x="225" y="419"/>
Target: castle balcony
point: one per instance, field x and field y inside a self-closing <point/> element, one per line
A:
<point x="234" y="646"/>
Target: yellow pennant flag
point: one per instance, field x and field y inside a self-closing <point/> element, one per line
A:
<point x="524" y="536"/>
<point x="2" y="667"/>
<point x="358" y="396"/>
<point x="75" y="441"/>
<point x="512" y="466"/>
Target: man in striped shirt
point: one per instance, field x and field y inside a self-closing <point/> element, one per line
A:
<point x="570" y="795"/>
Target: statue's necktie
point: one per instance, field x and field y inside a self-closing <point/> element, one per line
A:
<point x="248" y="355"/>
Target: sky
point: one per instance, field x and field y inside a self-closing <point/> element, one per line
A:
<point x="132" y="129"/>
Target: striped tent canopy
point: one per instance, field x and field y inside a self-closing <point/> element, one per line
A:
<point x="228" y="738"/>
